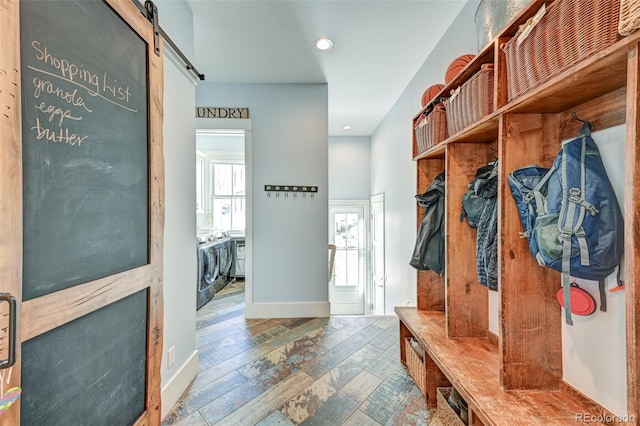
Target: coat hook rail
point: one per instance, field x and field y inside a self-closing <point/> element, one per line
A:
<point x="291" y="188"/>
<point x="294" y="189"/>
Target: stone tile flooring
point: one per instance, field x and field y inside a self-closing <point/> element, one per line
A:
<point x="342" y="370"/>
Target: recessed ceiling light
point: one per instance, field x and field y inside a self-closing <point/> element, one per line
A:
<point x="347" y="127"/>
<point x="324" y="43"/>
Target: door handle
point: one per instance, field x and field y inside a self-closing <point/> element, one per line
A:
<point x="11" y="330"/>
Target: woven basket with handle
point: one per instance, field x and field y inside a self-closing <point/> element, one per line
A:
<point x="570" y="31"/>
<point x="629" y="17"/>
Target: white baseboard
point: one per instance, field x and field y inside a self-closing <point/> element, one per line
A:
<point x="287" y="310"/>
<point x="178" y="384"/>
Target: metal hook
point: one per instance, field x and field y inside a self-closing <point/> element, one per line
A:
<point x="584" y="122"/>
<point x="575" y="117"/>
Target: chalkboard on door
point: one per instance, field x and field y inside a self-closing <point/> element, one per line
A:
<point x="90" y="371"/>
<point x="85" y="145"/>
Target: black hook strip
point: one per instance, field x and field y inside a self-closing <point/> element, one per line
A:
<point x="291" y="188"/>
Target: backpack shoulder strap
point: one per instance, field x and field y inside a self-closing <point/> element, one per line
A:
<point x="570" y="207"/>
<point x="541" y="207"/>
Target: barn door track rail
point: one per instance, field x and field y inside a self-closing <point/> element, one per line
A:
<point x="150" y="11"/>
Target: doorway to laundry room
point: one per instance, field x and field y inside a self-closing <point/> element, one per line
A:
<point x="221" y="211"/>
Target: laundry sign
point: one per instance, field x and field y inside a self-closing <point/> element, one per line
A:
<point x="221" y="112"/>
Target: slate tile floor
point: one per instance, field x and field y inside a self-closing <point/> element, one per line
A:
<point x="342" y="370"/>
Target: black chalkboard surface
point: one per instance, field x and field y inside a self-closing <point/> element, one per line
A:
<point x="85" y="127"/>
<point x="90" y="371"/>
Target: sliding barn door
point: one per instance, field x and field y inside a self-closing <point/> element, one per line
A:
<point x="81" y="221"/>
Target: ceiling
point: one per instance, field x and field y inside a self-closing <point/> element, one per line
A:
<point x="378" y="46"/>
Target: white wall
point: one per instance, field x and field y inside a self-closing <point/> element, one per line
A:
<point x="594" y="348"/>
<point x="180" y="262"/>
<point x="393" y="172"/>
<point x="289" y="235"/>
<point x="349" y="167"/>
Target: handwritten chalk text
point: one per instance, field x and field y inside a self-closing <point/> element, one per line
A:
<point x="97" y="84"/>
<point x="55" y="111"/>
<point x="69" y="70"/>
<point x="59" y="135"/>
<point x="70" y="97"/>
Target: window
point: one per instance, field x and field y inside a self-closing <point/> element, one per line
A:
<point x="228" y="196"/>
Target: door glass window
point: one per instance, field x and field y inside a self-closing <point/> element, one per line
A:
<point x="347" y="240"/>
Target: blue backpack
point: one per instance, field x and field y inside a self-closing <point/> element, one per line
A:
<point x="571" y="216"/>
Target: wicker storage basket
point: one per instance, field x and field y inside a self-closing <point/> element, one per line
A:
<point x="415" y="364"/>
<point x="473" y="101"/>
<point x="570" y="31"/>
<point x="629" y="17"/>
<point x="430" y="128"/>
<point x="444" y="415"/>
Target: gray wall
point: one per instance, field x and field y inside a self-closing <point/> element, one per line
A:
<point x="349" y="167"/>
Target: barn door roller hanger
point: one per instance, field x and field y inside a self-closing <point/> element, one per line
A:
<point x="150" y="11"/>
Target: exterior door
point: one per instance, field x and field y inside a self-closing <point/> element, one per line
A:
<point x="347" y="231"/>
<point x="377" y="254"/>
<point x="81" y="134"/>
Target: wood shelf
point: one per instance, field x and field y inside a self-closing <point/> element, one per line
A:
<point x="596" y="76"/>
<point x="520" y="381"/>
<point x="471" y="365"/>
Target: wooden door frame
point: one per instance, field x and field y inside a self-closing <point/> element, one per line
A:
<point x="376" y="199"/>
<point x="42" y="314"/>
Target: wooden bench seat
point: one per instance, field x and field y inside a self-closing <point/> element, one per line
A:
<point x="472" y="366"/>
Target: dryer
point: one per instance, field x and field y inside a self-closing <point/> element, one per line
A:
<point x="214" y="266"/>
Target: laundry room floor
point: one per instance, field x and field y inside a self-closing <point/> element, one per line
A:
<point x="342" y="370"/>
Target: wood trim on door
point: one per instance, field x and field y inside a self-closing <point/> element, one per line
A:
<point x="11" y="176"/>
<point x="44" y="313"/>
